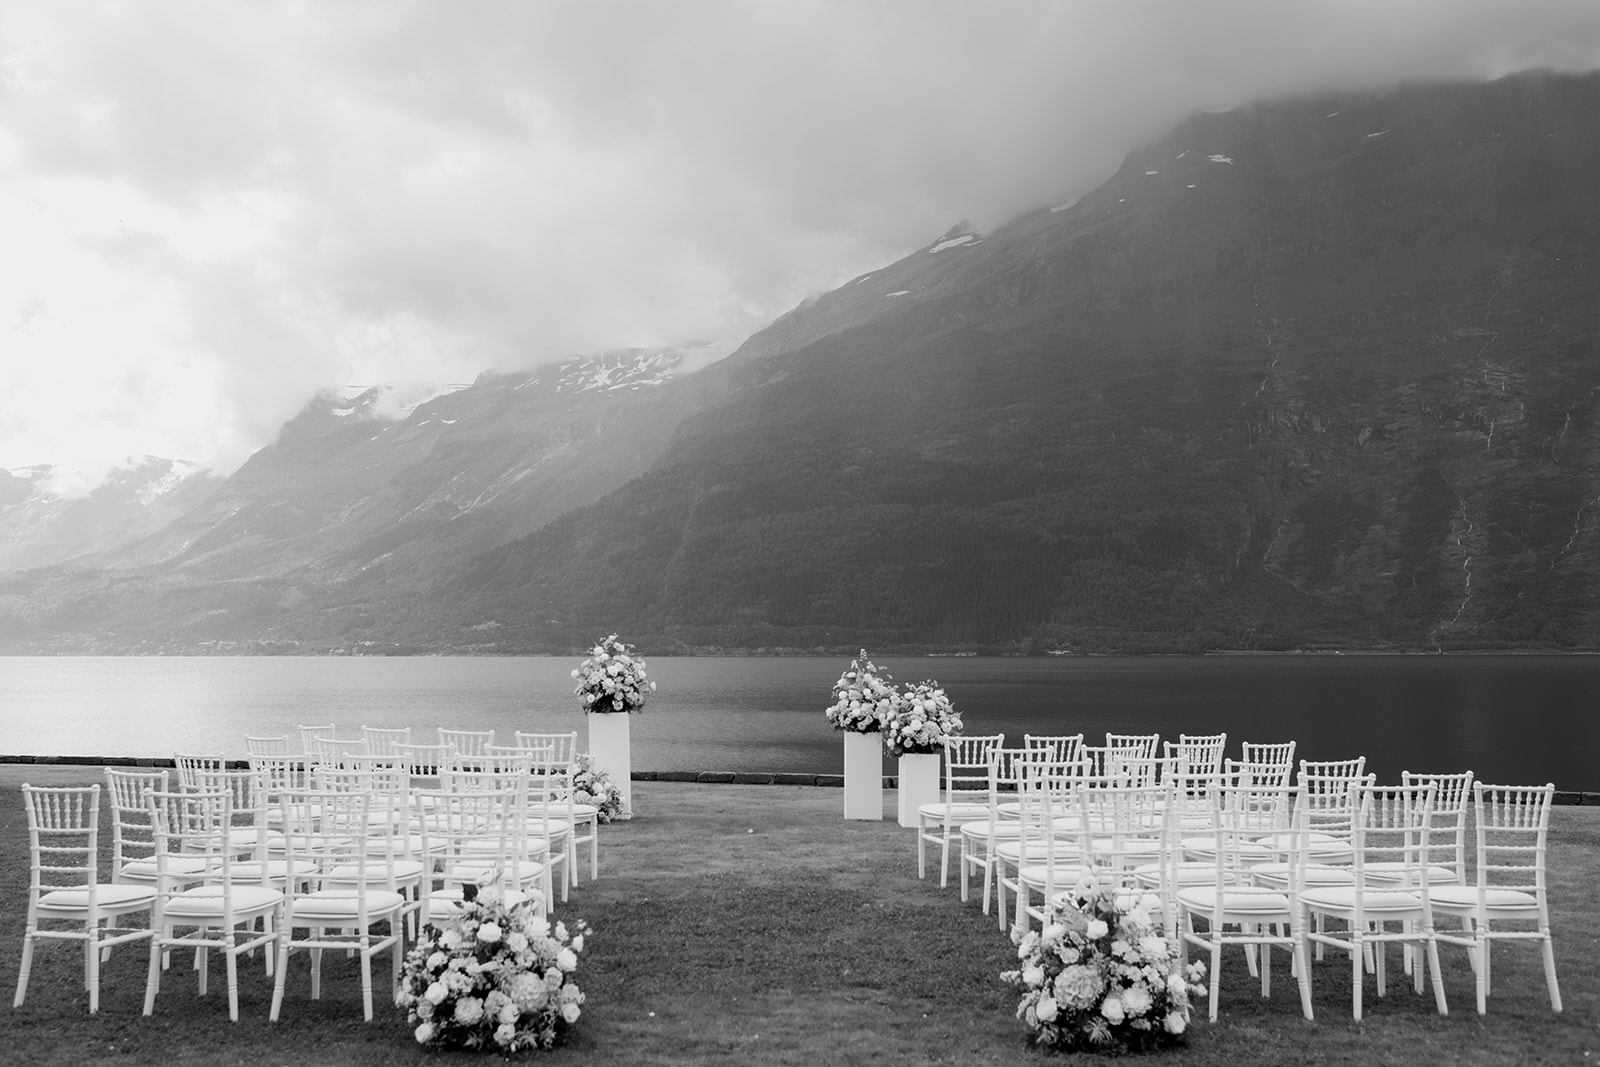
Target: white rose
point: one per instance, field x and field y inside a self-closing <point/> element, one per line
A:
<point x="516" y="941"/>
<point x="1176" y="1023"/>
<point x="435" y="993"/>
<point x="1096" y="929"/>
<point x="1112" y="1010"/>
<point x="508" y="1013"/>
<point x="424" y="1033"/>
<point x="1033" y="977"/>
<point x="504" y="1034"/>
<point x="1045" y="1009"/>
<point x="567" y="960"/>
<point x="489" y="933"/>
<point x="570" y="1012"/>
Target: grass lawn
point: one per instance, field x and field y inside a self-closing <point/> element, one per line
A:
<point x="752" y="924"/>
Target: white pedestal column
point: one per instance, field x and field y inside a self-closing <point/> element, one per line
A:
<point x="863" y="775"/>
<point x="919" y="784"/>
<point x="611" y="747"/>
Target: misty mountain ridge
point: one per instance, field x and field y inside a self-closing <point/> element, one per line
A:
<point x="1309" y="373"/>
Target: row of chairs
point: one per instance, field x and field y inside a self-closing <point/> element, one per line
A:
<point x="1264" y="852"/>
<point x="293" y="854"/>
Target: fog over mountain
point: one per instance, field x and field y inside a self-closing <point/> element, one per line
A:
<point x="1313" y="372"/>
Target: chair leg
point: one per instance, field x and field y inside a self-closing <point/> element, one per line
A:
<point x="1302" y="966"/>
<point x="922" y="851"/>
<point x="22" y="974"/>
<point x="1432" y="952"/>
<point x="1549" y="951"/>
<point x="152" y="981"/>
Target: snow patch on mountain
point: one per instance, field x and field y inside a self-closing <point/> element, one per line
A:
<point x="956" y="242"/>
<point x="637" y="368"/>
<point x="390" y="402"/>
<point x="178" y="472"/>
<point x="1218" y="157"/>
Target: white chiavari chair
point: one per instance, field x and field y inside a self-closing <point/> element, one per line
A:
<point x="1392" y="828"/>
<point x="67" y="901"/>
<point x="1053" y="854"/>
<point x="1232" y="908"/>
<point x="345" y="835"/>
<point x="1509" y="884"/>
<point x="467" y="743"/>
<point x="965" y="799"/>
<point x="220" y="912"/>
<point x="981" y="837"/>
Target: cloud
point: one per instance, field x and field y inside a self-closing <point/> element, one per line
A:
<point x="225" y="206"/>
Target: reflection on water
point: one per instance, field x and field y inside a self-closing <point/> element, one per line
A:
<point x="1510" y="718"/>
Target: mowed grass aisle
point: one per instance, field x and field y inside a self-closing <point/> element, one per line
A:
<point x="752" y="924"/>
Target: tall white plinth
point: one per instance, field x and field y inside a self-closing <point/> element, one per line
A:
<point x="919" y="784"/>
<point x="863" y="775"/>
<point x="610" y="746"/>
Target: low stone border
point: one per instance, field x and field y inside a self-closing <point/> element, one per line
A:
<point x="835" y="781"/>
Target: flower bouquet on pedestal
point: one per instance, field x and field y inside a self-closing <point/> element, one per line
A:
<point x="862" y="697"/>
<point x="1102" y="977"/>
<point x="612" y="683"/>
<point x="920" y="720"/>
<point x="915" y="732"/>
<point x="492" y="978"/>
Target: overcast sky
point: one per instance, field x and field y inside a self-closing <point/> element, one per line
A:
<point x="209" y="210"/>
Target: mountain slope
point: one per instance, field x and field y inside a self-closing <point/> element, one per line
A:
<point x="1320" y="371"/>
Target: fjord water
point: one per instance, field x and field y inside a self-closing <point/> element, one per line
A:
<point x="1509" y="718"/>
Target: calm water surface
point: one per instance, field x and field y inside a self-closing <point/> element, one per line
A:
<point x="1509" y="718"/>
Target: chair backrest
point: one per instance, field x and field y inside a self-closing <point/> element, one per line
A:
<point x="278" y="773"/>
<point x="309" y="734"/>
<point x="132" y="837"/>
<point x="1245" y="813"/>
<point x="348" y="834"/>
<point x="246" y="791"/>
<point x="191" y="765"/>
<point x="1512" y="827"/>
<point x="1060" y="746"/>
<point x="966" y="764"/>
<point x="563" y="747"/>
<point x="1196" y="754"/>
<point x="266" y="746"/>
<point x="326" y="749"/>
<point x="1332" y="776"/>
<point x="1392" y="829"/>
<point x="1148" y="745"/>
<point x="190" y="824"/>
<point x="1263" y="763"/>
<point x="63" y="840"/>
<point x="466" y="742"/>
<point x="1131" y="764"/>
<point x="1448" y="833"/>
<point x="381" y="740"/>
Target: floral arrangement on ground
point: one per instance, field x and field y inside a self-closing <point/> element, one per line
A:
<point x="863" y="697"/>
<point x="612" y="679"/>
<point x="920" y="720"/>
<point x="493" y="977"/>
<point x="592" y="784"/>
<point x="1101" y="976"/>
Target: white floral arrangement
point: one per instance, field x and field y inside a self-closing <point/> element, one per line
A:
<point x="612" y="679"/>
<point x="592" y="784"/>
<point x="863" y="697"/>
<point x="1101" y="976"/>
<point x="493" y="978"/>
<point x="921" y="720"/>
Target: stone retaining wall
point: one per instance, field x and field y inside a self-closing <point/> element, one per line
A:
<point x="703" y="777"/>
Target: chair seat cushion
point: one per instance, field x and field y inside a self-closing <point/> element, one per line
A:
<point x="1235" y="900"/>
<point x="271" y="870"/>
<point x="1062" y="875"/>
<point x="1343" y="898"/>
<point x="332" y="905"/>
<point x="1394" y="872"/>
<point x="1002" y="829"/>
<point x="377" y="873"/>
<point x="957" y="812"/>
<point x="177" y="867"/>
<point x="205" y="902"/>
<point x="1463" y="898"/>
<point x="108" y="897"/>
<point x="1277" y="875"/>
